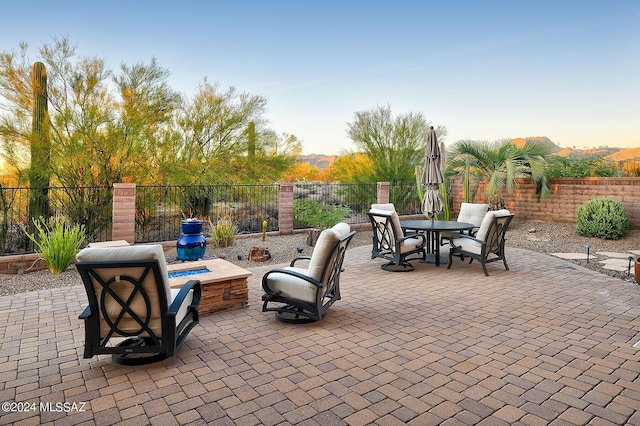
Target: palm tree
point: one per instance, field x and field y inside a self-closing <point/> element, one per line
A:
<point x="501" y="163"/>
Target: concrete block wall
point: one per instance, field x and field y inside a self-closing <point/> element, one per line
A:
<point x="567" y="194"/>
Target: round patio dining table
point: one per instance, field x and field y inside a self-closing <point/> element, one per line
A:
<point x="433" y="229"/>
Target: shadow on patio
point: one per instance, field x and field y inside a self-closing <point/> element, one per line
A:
<point x="546" y="342"/>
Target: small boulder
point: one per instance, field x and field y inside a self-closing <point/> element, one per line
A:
<point x="259" y="254"/>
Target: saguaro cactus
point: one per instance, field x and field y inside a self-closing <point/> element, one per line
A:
<point x="251" y="143"/>
<point x="40" y="145"/>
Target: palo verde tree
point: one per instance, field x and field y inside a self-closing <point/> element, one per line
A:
<point x="221" y="136"/>
<point x="394" y="145"/>
<point x="103" y="127"/>
<point x="129" y="126"/>
<point x="501" y="164"/>
<point x="210" y="129"/>
<point x="16" y="123"/>
<point x="276" y="154"/>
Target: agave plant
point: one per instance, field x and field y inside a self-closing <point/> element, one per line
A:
<point x="57" y="242"/>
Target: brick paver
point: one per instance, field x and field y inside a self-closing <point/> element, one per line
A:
<point x="546" y="342"/>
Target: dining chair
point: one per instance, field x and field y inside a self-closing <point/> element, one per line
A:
<point x="487" y="245"/>
<point x="390" y="242"/>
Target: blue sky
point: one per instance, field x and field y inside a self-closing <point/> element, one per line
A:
<point x="486" y="70"/>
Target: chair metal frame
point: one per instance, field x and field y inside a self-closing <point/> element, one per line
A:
<point x="327" y="289"/>
<point x="135" y="349"/>
<point x="492" y="247"/>
<point x="387" y="245"/>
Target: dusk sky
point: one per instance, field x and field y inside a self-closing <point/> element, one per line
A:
<point x="485" y="70"/>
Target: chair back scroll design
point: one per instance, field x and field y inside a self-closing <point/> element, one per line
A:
<point x="496" y="235"/>
<point x="115" y="310"/>
<point x="131" y="299"/>
<point x="488" y="244"/>
<point x="384" y="235"/>
<point x="390" y="242"/>
<point x="303" y="295"/>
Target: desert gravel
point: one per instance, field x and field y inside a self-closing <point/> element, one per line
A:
<point x="545" y="237"/>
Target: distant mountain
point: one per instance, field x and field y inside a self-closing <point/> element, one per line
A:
<point x="591" y="152"/>
<point x="616" y="154"/>
<point x="541" y="139"/>
<point x="565" y="152"/>
<point x="625" y="154"/>
<point x="318" y="160"/>
<point x="322" y="161"/>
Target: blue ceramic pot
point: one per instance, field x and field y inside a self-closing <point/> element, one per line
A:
<point x="191" y="244"/>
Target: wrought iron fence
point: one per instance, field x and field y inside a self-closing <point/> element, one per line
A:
<point x="348" y="202"/>
<point x="88" y="206"/>
<point x="314" y="204"/>
<point x="160" y="209"/>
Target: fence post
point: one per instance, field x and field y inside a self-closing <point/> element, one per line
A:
<point x="124" y="212"/>
<point x="285" y="208"/>
<point x="383" y="192"/>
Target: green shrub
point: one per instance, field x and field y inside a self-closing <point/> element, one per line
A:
<point x="580" y="166"/>
<point x="57" y="242"/>
<point x="312" y="214"/>
<point x="223" y="232"/>
<point x="602" y="218"/>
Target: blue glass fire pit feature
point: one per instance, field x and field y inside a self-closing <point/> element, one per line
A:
<point x="177" y="274"/>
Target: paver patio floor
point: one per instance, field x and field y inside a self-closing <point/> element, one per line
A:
<point x="547" y="342"/>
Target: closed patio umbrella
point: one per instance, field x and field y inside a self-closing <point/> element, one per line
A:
<point x="432" y="177"/>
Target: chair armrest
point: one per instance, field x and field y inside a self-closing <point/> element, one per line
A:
<point x="293" y="262"/>
<point x="194" y="285"/>
<point x="294" y="274"/>
<point x="466" y="237"/>
<point x="416" y="235"/>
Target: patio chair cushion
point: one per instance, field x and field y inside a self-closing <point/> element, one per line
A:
<point x="486" y="222"/>
<point x="472" y="213"/>
<point x="410" y="244"/>
<point x="293" y="287"/>
<point x="323" y="248"/>
<point x="468" y="245"/>
<point x="469" y="213"/>
<point x="385" y="206"/>
<point x="297" y="288"/>
<point x="394" y="218"/>
<point x="139" y="252"/>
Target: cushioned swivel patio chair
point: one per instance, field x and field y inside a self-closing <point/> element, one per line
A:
<point x="133" y="314"/>
<point x="303" y="295"/>
<point x="488" y="244"/>
<point x="390" y="242"/>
